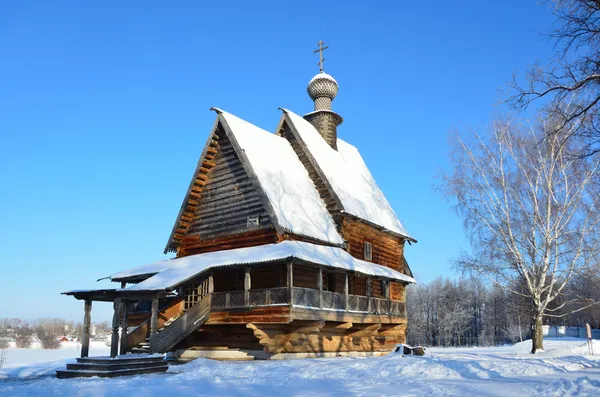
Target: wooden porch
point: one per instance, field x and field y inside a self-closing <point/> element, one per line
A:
<point x="276" y="293"/>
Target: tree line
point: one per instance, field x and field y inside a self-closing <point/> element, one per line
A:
<point x="46" y="330"/>
<point x="470" y="312"/>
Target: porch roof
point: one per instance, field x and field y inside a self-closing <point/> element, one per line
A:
<point x="169" y="274"/>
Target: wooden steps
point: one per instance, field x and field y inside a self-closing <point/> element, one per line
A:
<point x="222" y="354"/>
<point x="106" y="367"/>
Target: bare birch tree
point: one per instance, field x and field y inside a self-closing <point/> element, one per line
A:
<point x="573" y="75"/>
<point x="531" y="210"/>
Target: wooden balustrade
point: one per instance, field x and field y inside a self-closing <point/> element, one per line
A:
<point x="306" y="298"/>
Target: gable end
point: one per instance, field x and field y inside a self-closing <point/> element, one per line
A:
<point x="330" y="199"/>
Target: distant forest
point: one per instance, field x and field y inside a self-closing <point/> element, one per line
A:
<point x="468" y="312"/>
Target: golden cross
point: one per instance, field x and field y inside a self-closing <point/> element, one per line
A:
<point x="320" y="51"/>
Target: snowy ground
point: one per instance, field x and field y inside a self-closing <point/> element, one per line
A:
<point x="564" y="369"/>
<point x="24" y="357"/>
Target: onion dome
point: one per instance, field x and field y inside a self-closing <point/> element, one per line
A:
<point x="322" y="89"/>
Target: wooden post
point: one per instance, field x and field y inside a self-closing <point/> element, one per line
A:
<point x="85" y="334"/>
<point x="211" y="284"/>
<point x="346" y="291"/>
<point x="153" y="324"/>
<point x="369" y="295"/>
<point x="124" y="347"/>
<point x="114" y="341"/>
<point x="320" y="286"/>
<point x="247" y="286"/>
<point x="290" y="281"/>
<point x="388" y="295"/>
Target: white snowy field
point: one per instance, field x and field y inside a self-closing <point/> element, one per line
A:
<point x="68" y="350"/>
<point x="564" y="369"/>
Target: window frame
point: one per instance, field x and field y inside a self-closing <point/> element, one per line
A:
<point x="368" y="251"/>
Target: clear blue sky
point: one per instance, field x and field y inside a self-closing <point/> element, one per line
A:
<point x="104" y="112"/>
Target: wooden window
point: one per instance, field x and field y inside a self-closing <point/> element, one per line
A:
<point x="368" y="250"/>
<point x="252" y="221"/>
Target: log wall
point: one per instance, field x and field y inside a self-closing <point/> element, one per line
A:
<point x="195" y="245"/>
<point x="299" y="336"/>
<point x="305" y="276"/>
<point x="229" y="279"/>
<point x="333" y="281"/>
<point x="397" y="292"/>
<point x="272" y="276"/>
<point x="228" y="198"/>
<point x="387" y="250"/>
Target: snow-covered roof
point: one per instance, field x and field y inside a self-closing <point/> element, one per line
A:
<point x="171" y="273"/>
<point x="296" y="204"/>
<point x="349" y="177"/>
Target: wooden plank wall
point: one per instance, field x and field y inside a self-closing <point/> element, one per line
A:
<point x="387" y="250"/>
<point x="306" y="277"/>
<point x="195" y="245"/>
<point x="269" y="276"/>
<point x="333" y="281"/>
<point x="228" y="198"/>
<point x="357" y="285"/>
<point x="229" y="279"/>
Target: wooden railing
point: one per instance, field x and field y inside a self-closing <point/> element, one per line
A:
<point x="256" y="298"/>
<point x="187" y="323"/>
<point x="358" y="303"/>
<point x="308" y="298"/>
<point x="305" y="297"/>
<point x="398" y="309"/>
<point x="268" y="297"/>
<point x="379" y="306"/>
<point x="139" y="334"/>
<point x="333" y="300"/>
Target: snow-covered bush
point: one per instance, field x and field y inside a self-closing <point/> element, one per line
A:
<point x="3" y="338"/>
<point x="48" y="339"/>
<point x="23" y="336"/>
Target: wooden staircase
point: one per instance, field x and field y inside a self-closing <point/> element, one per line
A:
<point x="106" y="367"/>
<point x="176" y="329"/>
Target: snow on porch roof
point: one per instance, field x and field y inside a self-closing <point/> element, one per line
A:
<point x="349" y="177"/>
<point x="296" y="204"/>
<point x="171" y="273"/>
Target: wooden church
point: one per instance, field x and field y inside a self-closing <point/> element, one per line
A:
<point x="285" y="247"/>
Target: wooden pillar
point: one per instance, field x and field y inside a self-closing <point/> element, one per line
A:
<point x="320" y="286"/>
<point x="388" y="295"/>
<point x="153" y="324"/>
<point x="247" y="286"/>
<point x="124" y="319"/>
<point x="346" y="291"/>
<point x="85" y="334"/>
<point x="369" y="281"/>
<point x="114" y="341"/>
<point x="290" y="280"/>
<point x="211" y="284"/>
